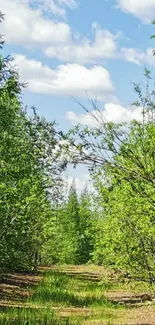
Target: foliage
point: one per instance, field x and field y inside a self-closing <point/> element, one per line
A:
<point x="122" y="159"/>
<point x="70" y="232"/>
<point x="30" y="176"/>
<point x="86" y="233"/>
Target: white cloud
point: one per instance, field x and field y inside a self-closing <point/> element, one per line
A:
<point x="136" y="56"/>
<point x="27" y="27"/>
<point x="80" y="182"/>
<point x="69" y="79"/>
<point x="111" y="112"/>
<point x="86" y="51"/>
<point x="57" y="7"/>
<point x="142" y="9"/>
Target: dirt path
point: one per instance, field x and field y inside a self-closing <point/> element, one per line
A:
<point x="95" y="294"/>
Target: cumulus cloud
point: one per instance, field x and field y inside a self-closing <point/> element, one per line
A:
<point x="27" y="27"/>
<point x="56" y="7"/>
<point x="136" y="56"/>
<point x="69" y="79"/>
<point x="86" y="51"/>
<point x="142" y="9"/>
<point x="111" y="112"/>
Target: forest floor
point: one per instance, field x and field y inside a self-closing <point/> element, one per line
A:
<point x="75" y="295"/>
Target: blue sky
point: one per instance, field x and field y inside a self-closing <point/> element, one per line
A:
<point x="71" y="49"/>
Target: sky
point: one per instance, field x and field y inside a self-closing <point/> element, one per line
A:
<point x="71" y="50"/>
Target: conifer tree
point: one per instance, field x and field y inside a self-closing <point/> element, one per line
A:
<point x="86" y="227"/>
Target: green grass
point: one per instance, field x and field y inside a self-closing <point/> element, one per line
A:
<point x="28" y="316"/>
<point x="71" y="299"/>
<point x="62" y="290"/>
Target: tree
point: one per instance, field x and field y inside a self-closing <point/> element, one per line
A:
<point x="70" y="223"/>
<point x="86" y="232"/>
<point x="125" y="234"/>
<point x="122" y="157"/>
<point x="30" y="174"/>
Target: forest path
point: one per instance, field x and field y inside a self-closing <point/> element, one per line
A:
<point x="80" y="295"/>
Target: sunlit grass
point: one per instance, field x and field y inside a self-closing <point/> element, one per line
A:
<point x="68" y="298"/>
<point x="29" y="316"/>
<point x="63" y="290"/>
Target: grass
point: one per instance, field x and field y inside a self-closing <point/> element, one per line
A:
<point x="62" y="290"/>
<point x="83" y="295"/>
<point x="27" y="316"/>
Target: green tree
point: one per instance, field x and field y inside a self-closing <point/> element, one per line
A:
<point x="86" y="233"/>
<point x="30" y="175"/>
<point x="73" y="207"/>
<point x="70" y="223"/>
<point x="122" y="155"/>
